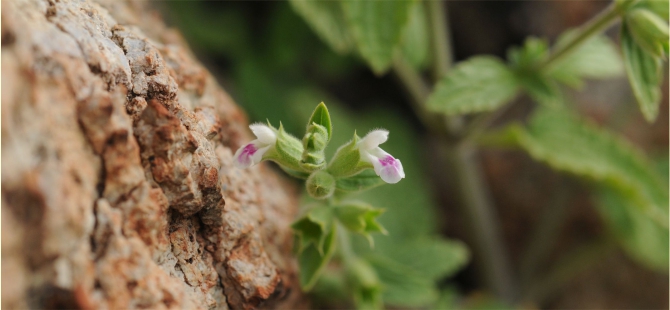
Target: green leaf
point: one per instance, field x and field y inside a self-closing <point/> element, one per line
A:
<point x="377" y="27"/>
<point x="431" y="258"/>
<point x="479" y="84"/>
<point x="313" y="228"/>
<point x="565" y="143"/>
<point x="415" y="42"/>
<point x="643" y="239"/>
<point x="644" y="75"/>
<point x="597" y="58"/>
<point x="365" y="180"/>
<point x="543" y="90"/>
<point x="401" y="285"/>
<point x="364" y="284"/>
<point x="660" y="7"/>
<point x="360" y="217"/>
<point x="321" y="117"/>
<point x="649" y="31"/>
<point x="524" y="59"/>
<point x="327" y="19"/>
<point x="312" y="261"/>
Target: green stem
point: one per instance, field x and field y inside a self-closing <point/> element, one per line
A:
<point x="346" y="251"/>
<point x="441" y="37"/>
<point x="477" y="208"/>
<point x="418" y="90"/>
<point x="594" y="26"/>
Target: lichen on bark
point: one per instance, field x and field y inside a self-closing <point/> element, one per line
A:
<point x="118" y="189"/>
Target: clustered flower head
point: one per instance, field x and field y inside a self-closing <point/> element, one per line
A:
<point x="347" y="170"/>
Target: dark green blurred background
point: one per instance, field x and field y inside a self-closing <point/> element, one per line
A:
<point x="275" y="67"/>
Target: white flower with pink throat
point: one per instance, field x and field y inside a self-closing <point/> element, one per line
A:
<point x="252" y="153"/>
<point x="386" y="166"/>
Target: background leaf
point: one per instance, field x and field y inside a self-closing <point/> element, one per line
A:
<point x="431" y="258"/>
<point x="597" y="58"/>
<point x="377" y="27"/>
<point x="327" y="19"/>
<point x="642" y="238"/>
<point x="644" y="75"/>
<point x="479" y="84"/>
<point x="401" y="285"/>
<point x="561" y="140"/>
<point x="415" y="42"/>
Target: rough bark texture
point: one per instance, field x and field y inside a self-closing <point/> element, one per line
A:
<point x="118" y="189"/>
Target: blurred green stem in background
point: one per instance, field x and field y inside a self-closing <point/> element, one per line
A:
<point x="595" y="26"/>
<point x="474" y="196"/>
<point x="462" y="162"/>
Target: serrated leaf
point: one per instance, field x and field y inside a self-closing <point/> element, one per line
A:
<point x="365" y="180"/>
<point x="644" y="75"/>
<point x="377" y="27"/>
<point x="415" y="42"/>
<point x="313" y="227"/>
<point x="597" y="58"/>
<point x="320" y="116"/>
<point x="479" y="84"/>
<point x="431" y="258"/>
<point x="564" y="142"/>
<point x="327" y="19"/>
<point x="642" y="238"/>
<point x="360" y="217"/>
<point x="312" y="262"/>
<point x="402" y="286"/>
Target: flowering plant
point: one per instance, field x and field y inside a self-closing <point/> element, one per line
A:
<point x="357" y="165"/>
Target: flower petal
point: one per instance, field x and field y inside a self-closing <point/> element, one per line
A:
<point x="242" y="158"/>
<point x="373" y="139"/>
<point x="390" y="169"/>
<point x="263" y="133"/>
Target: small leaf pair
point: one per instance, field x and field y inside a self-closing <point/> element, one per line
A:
<point x="316" y="231"/>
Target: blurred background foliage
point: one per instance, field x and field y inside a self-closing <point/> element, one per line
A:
<point x="277" y="68"/>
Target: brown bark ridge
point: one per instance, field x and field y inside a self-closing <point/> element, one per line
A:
<point x="118" y="189"/>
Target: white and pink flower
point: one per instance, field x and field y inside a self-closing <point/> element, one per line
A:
<point x="386" y="166"/>
<point x="252" y="153"/>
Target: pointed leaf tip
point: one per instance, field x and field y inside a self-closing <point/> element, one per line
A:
<point x="321" y="116"/>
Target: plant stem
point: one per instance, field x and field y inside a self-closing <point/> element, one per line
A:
<point x="594" y="26"/>
<point x="346" y="251"/>
<point x="489" y="250"/>
<point x="463" y="165"/>
<point x="441" y="37"/>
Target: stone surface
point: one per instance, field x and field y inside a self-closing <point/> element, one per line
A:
<point x="118" y="189"/>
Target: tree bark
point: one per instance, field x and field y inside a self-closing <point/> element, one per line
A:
<point x="118" y="189"/>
